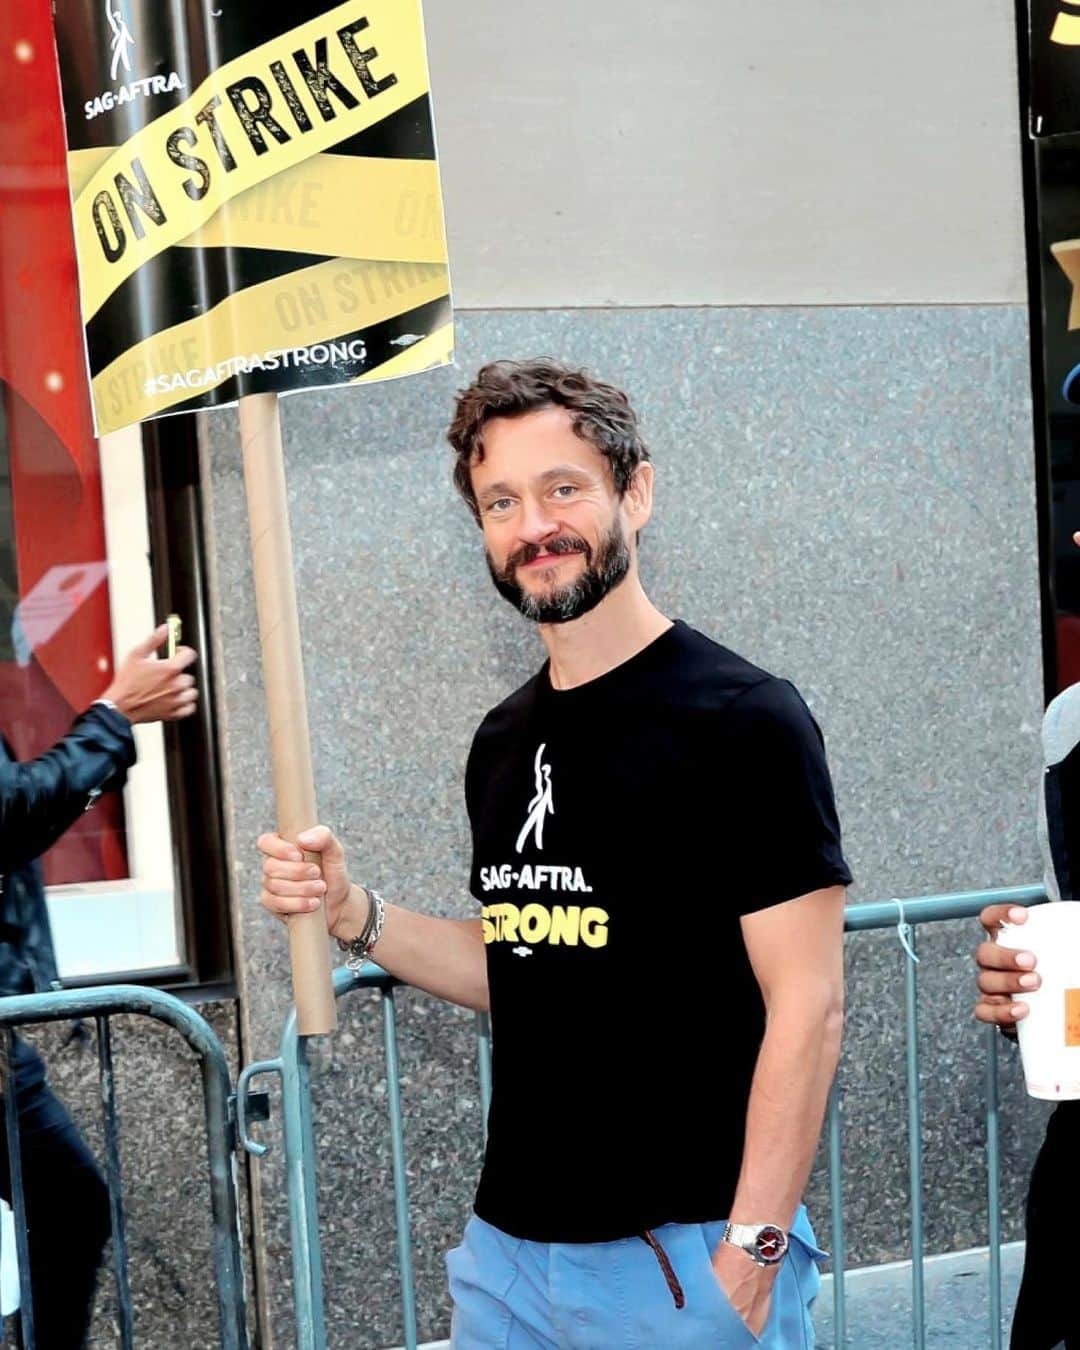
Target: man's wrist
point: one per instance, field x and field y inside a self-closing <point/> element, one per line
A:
<point x="730" y="1257"/>
<point x="765" y="1244"/>
<point x="113" y="697"/>
<point x="354" y="914"/>
<point x="764" y="1209"/>
<point x="359" y="948"/>
<point x="105" y="702"/>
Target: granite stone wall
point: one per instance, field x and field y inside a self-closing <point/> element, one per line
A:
<point x="845" y="496"/>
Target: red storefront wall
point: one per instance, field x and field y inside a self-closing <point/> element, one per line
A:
<point x="61" y="634"/>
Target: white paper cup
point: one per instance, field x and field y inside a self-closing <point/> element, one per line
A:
<point x="1050" y="1033"/>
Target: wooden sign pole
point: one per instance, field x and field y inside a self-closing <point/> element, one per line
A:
<point x="283" y="675"/>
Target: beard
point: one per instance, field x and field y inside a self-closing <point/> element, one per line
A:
<point x="561" y="604"/>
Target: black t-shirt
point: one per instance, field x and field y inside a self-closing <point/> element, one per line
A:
<point x="620" y="830"/>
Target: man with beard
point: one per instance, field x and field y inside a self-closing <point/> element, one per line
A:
<point x="648" y="797"/>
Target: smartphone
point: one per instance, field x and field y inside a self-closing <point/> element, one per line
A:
<point x="173" y="620"/>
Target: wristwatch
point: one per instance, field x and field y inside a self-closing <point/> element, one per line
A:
<point x="765" y="1244"/>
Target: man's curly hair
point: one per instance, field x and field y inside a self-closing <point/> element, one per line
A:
<point x="601" y="414"/>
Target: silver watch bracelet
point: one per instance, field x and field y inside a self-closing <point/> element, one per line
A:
<point x="359" y="947"/>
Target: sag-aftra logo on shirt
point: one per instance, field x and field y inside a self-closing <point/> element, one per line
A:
<point x="537" y="923"/>
<point x="541" y="806"/>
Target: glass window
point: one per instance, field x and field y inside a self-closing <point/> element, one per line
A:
<point x="86" y="571"/>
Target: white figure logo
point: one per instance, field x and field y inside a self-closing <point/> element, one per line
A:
<point x="541" y="805"/>
<point x="122" y="41"/>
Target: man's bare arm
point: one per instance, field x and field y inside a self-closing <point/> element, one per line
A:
<point x="796" y="950"/>
<point x="444" y="957"/>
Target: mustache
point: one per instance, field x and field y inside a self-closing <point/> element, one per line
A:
<point x="563" y="543"/>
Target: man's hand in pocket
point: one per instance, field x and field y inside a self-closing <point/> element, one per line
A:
<point x="747" y="1286"/>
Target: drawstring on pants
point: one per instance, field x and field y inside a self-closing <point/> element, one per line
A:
<point x="670" y="1278"/>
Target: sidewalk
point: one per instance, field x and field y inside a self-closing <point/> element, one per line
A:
<point x="957" y="1302"/>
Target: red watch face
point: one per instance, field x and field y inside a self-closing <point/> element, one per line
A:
<point x="771" y="1243"/>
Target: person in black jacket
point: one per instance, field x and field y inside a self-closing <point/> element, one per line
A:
<point x="66" y="1197"/>
<point x="1047" y="1313"/>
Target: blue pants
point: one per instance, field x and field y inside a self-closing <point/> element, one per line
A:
<point x="510" y="1294"/>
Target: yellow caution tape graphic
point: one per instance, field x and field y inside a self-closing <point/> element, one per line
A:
<point x="1066" y="30"/>
<point x="300" y="315"/>
<point x="255" y="117"/>
<point x="341" y="205"/>
<point x="435" y="350"/>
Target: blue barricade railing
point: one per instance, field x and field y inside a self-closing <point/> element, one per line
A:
<point x="293" y="1069"/>
<point x="221" y="1142"/>
<point x="906" y="916"/>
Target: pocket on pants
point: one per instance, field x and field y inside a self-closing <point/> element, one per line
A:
<point x="789" y="1325"/>
<point x="481" y="1273"/>
<point x="640" y="1309"/>
<point x="806" y="1257"/>
<point x="732" y="1330"/>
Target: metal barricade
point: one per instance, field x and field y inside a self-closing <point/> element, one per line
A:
<point x="221" y="1142"/>
<point x="292" y="1067"/>
<point x="903" y="915"/>
<point x="906" y="916"/>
